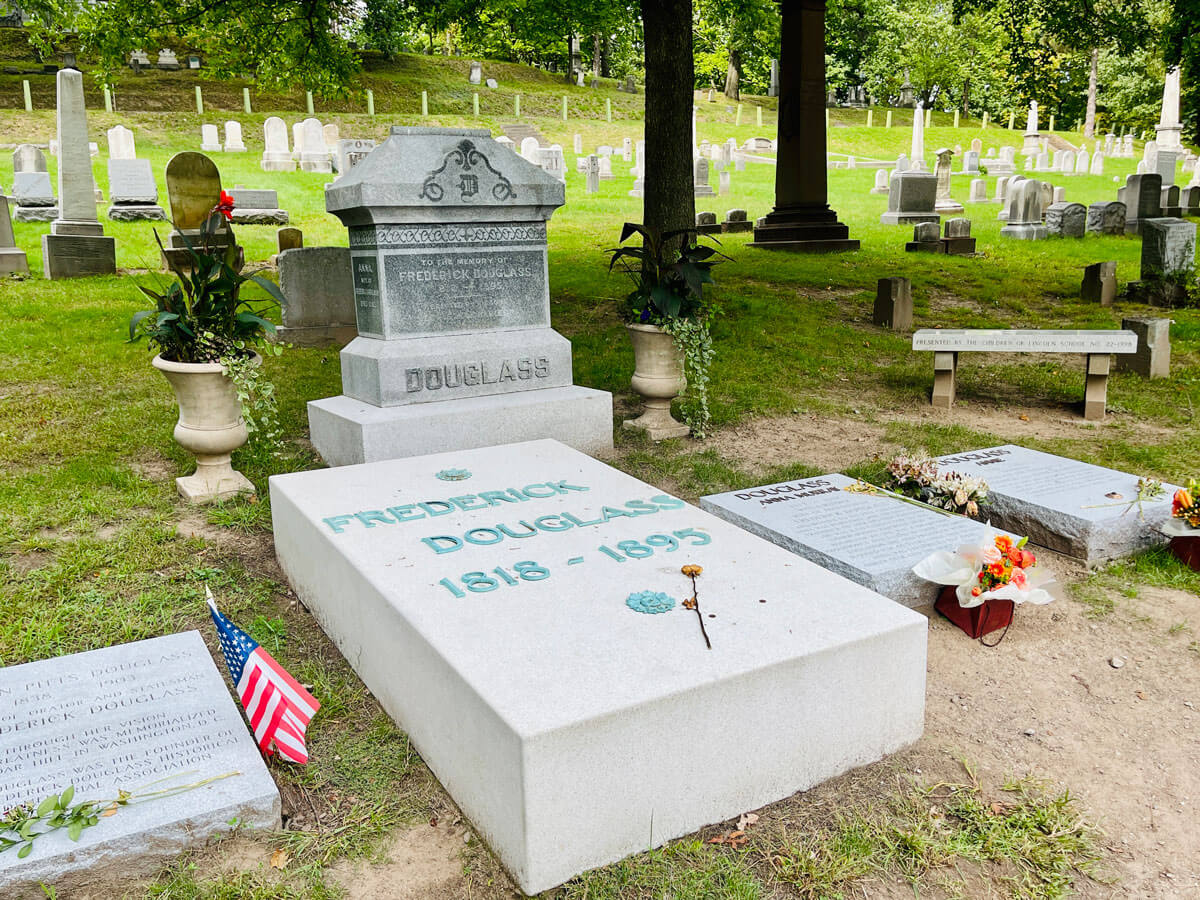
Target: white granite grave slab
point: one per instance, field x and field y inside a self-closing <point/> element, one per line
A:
<point x="872" y="539"/>
<point x="1073" y="507"/>
<point x="120" y="718"/>
<point x="1015" y="340"/>
<point x="482" y="595"/>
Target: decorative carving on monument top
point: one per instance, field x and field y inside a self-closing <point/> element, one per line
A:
<point x="466" y="170"/>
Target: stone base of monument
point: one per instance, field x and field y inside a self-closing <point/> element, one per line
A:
<point x="519" y="612"/>
<point x="316" y="335"/>
<point x="35" y="213"/>
<point x="278" y="162"/>
<point x="78" y="255"/>
<point x="347" y="431"/>
<point x="803" y="231"/>
<point x="1025" y="232"/>
<point x="119" y="718"/>
<point x="136" y="213"/>
<point x="259" y="216"/>
<point x="12" y="259"/>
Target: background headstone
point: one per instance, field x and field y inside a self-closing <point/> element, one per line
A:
<point x="318" y="290"/>
<point x="12" y="259"/>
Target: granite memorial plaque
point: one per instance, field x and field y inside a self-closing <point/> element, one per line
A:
<point x="448" y="261"/>
<point x="1085" y="511"/>
<point x="120" y="718"/>
<point x="519" y="612"/>
<point x="872" y="539"/>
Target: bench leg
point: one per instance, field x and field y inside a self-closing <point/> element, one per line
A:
<point x="1095" y="389"/>
<point x="945" y="366"/>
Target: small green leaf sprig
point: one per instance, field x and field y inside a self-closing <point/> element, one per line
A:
<point x="25" y="823"/>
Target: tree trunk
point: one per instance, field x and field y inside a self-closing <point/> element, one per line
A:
<point x="733" y="75"/>
<point x="605" y="58"/>
<point x="669" y="201"/>
<point x="597" y="54"/>
<point x="1089" y="122"/>
<point x="966" y="98"/>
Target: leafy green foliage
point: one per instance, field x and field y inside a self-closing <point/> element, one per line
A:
<point x="202" y="314"/>
<point x="668" y="282"/>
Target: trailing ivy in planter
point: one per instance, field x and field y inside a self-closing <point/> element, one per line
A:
<point x="669" y="271"/>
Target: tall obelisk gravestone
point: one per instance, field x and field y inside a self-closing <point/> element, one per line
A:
<point x="454" y="348"/>
<point x="76" y="244"/>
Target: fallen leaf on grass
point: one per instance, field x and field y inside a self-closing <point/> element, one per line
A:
<point x="747" y="820"/>
<point x="279" y="859"/>
<point x="734" y="839"/>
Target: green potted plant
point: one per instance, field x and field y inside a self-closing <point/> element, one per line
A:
<point x="668" y="316"/>
<point x="205" y="336"/>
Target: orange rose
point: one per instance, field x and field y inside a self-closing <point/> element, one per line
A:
<point x="1027" y="559"/>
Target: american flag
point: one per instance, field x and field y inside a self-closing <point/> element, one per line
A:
<point x="277" y="706"/>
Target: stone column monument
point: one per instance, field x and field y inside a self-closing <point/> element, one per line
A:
<point x="455" y="348"/>
<point x="76" y="245"/>
<point x="802" y="219"/>
<point x="1168" y="126"/>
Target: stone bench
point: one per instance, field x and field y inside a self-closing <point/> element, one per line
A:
<point x="1097" y="346"/>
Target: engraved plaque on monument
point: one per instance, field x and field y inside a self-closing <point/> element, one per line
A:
<point x="117" y="718"/>
<point x="455" y="348"/>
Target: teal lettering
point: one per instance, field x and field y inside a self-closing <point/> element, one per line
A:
<point x="463" y="501"/>
<point x="665" y="502"/>
<point x="528" y="491"/>
<point x="407" y="513"/>
<point x="517" y="494"/>
<point x="562" y="487"/>
<point x="572" y="518"/>
<point x="558" y="526"/>
<point x="531" y="533"/>
<point x="640" y="507"/>
<point x="370" y="516"/>
<point x="611" y="512"/>
<point x="428" y="506"/>
<point x="336" y="522"/>
<point x="494" y="498"/>
<point x="431" y="542"/>
<point x="491" y="532"/>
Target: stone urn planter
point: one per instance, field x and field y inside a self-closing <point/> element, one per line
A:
<point x="210" y="427"/>
<point x="658" y="379"/>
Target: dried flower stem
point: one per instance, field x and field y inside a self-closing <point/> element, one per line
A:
<point x="696" y="607"/>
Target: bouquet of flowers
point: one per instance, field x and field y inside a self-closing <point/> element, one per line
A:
<point x="1185" y="511"/>
<point x="920" y="479"/>
<point x="996" y="570"/>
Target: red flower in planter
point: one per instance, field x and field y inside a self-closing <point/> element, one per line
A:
<point x="225" y="206"/>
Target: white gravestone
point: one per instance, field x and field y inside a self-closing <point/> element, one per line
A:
<point x="276" y="155"/>
<point x="314" y="156"/>
<point x="210" y="140"/>
<point x="455" y="348"/>
<point x="120" y="143"/>
<point x="872" y="539"/>
<point x="351" y="152"/>
<point x="1076" y="508"/>
<point x="118" y="718"/>
<point x="592" y="173"/>
<point x="233" y="138"/>
<point x="508" y="608"/>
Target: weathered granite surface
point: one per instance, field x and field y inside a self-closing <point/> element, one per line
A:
<point x="119" y="718"/>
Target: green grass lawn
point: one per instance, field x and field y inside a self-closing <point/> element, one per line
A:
<point x="88" y="513"/>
